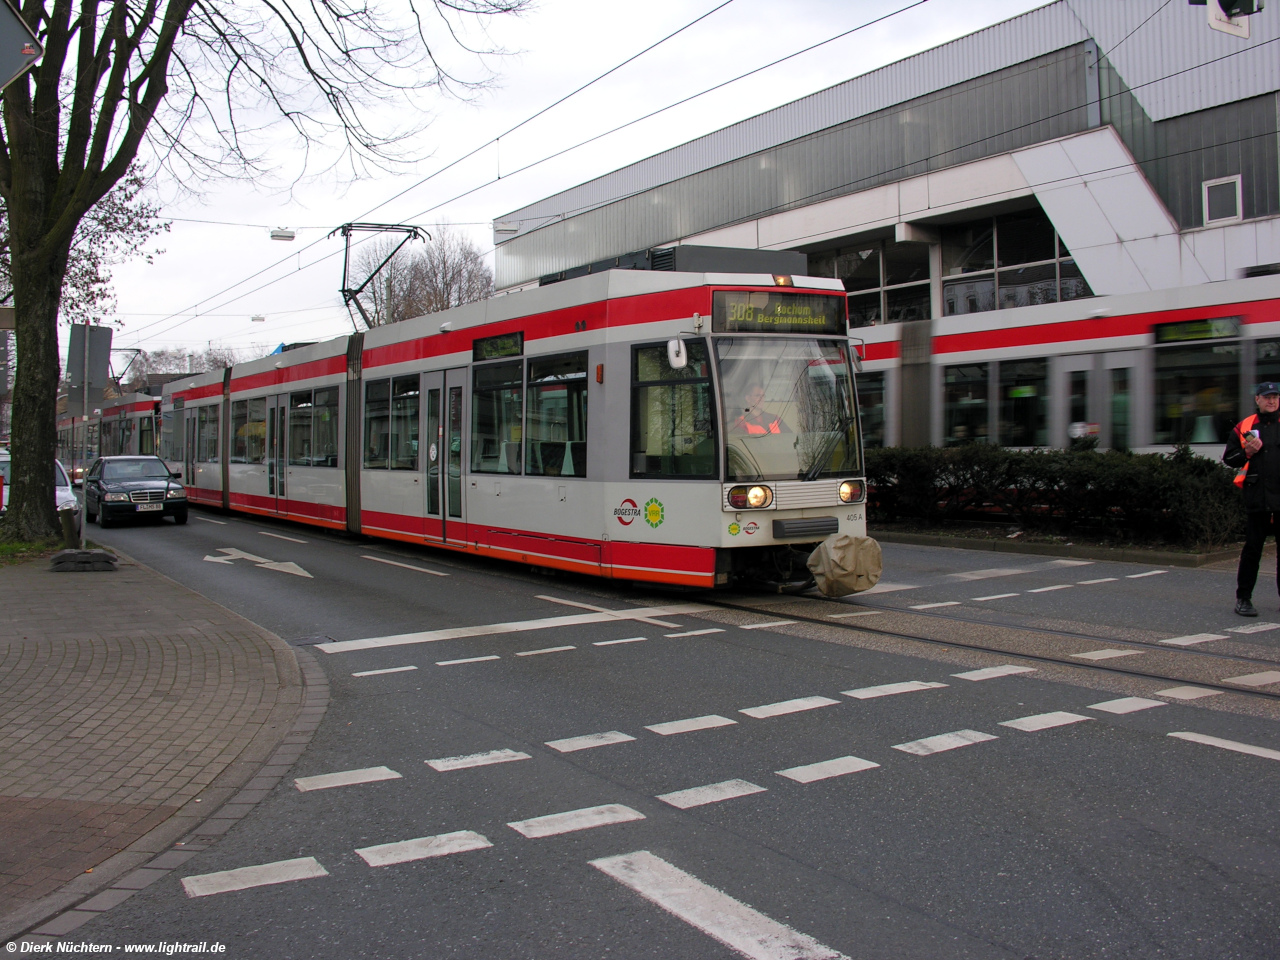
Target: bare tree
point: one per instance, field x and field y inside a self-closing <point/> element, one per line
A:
<point x="194" y="89"/>
<point x="390" y="295"/>
<point x="446" y="271"/>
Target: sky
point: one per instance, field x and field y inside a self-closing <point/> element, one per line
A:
<point x="202" y="290"/>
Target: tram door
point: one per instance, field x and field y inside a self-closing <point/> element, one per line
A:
<point x="189" y="448"/>
<point x="277" y="451"/>
<point x="453" y="413"/>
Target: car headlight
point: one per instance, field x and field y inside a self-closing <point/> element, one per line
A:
<point x="851" y="491"/>
<point x="68" y="505"/>
<point x="115" y="497"/>
<point x="177" y="493"/>
<point x="750" y="498"/>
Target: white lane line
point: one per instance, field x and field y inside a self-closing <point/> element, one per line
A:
<point x="571" y="820"/>
<point x="1228" y="745"/>
<point x="534" y="653"/>
<point x="931" y="606"/>
<point x="1254" y="628"/>
<point x="988" y="574"/>
<point x="476" y="760"/>
<point x="221" y="523"/>
<point x="378" y="673"/>
<point x="592" y="606"/>
<point x="788" y="706"/>
<point x="1149" y="573"/>
<point x="406" y="851"/>
<point x="265" y="874"/>
<point x="1126" y="705"/>
<point x="1044" y="721"/>
<point x="1193" y="638"/>
<point x="694" y="633"/>
<point x="572" y="744"/>
<point x="453" y="663"/>
<point x="403" y="566"/>
<point x="885" y="587"/>
<point x="943" y="742"/>
<point x="690" y="725"/>
<point x="281" y="536"/>
<point x="889" y="689"/>
<point x="1256" y="679"/>
<point x="739" y="927"/>
<point x="1056" y="586"/>
<point x="1099" y="580"/>
<point x="710" y="793"/>
<point x="990" y="673"/>
<point x="860" y="613"/>
<point x="1070" y="563"/>
<point x="826" y="769"/>
<point x="345" y="778"/>
<point x="1187" y="693"/>
<point x="515" y="626"/>
<point x="610" y="643"/>
<point x="1106" y="654"/>
<point x="996" y="596"/>
<point x="764" y="626"/>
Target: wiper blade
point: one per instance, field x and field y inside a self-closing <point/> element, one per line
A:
<point x="841" y="433"/>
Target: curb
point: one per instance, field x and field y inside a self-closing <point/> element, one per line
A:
<point x="234" y="792"/>
<point x="1075" y="551"/>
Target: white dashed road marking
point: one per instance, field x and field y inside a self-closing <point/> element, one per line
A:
<point x="739" y="927"/>
<point x="476" y="760"/>
<point x="826" y="769"/>
<point x="1187" y="693"/>
<point x="572" y="744"/>
<point x="1085" y="583"/>
<point x="988" y="574"/>
<point x="281" y="536"/>
<point x="378" y="673"/>
<point x="454" y="663"/>
<point x="860" y="613"/>
<point x="406" y="851"/>
<point x="1106" y="654"/>
<point x="885" y="587"/>
<point x="221" y="523"/>
<point x="931" y="606"/>
<point x="225" y="881"/>
<point x="1229" y="745"/>
<point x="610" y="643"/>
<point x="1127" y="705"/>
<point x="1056" y="586"/>
<point x="1254" y="628"/>
<point x="890" y="689"/>
<point x="404" y="566"/>
<point x="996" y="596"/>
<point x="534" y="653"/>
<point x="1149" y="573"/>
<point x="990" y="673"/>
<point x="788" y="706"/>
<point x="765" y="626"/>
<point x="1191" y="639"/>
<point x="711" y="793"/>
<point x="694" y="633"/>
<point x="345" y="778"/>
<point x="1044" y="721"/>
<point x="1256" y="679"/>
<point x="688" y="726"/>
<point x="585" y="819"/>
<point x="943" y="742"/>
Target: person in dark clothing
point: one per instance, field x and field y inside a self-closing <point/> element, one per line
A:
<point x="1254" y="450"/>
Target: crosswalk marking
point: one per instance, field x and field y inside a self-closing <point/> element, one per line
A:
<point x="534" y="653"/>
<point x="345" y="778"/>
<point x="476" y="760"/>
<point x="988" y="574"/>
<point x="1192" y="639"/>
<point x="825" y="769"/>
<point x="610" y="643"/>
<point x="1187" y="693"/>
<point x="931" y="606"/>
<point x="453" y="663"/>
<point x="406" y="851"/>
<point x="765" y="626"/>
<point x="1255" y="628"/>
<point x="690" y="725"/>
<point x="739" y="927"/>
<point x="996" y="596"/>
<point x="694" y="633"/>
<point x="378" y="673"/>
<point x="991" y="673"/>
<point x="890" y="689"/>
<point x="788" y="706"/>
<point x="1233" y="745"/>
<point x="710" y="793"/>
<point x="1127" y="705"/>
<point x="1106" y="654"/>
<point x="587" y="818"/>
<point x="943" y="742"/>
<point x="1264" y="679"/>
<point x="1044" y="721"/>
<point x="262" y="875"/>
<point x="573" y="744"/>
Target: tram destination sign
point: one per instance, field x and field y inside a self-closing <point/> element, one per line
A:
<point x="1185" y="331"/>
<point x="761" y="311"/>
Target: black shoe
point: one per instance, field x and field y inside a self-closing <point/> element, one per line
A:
<point x="1245" y="608"/>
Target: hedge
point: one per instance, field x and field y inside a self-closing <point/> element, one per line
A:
<point x="1179" y="498"/>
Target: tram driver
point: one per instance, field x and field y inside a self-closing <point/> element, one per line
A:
<point x="754" y="420"/>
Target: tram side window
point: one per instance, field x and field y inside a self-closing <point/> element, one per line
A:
<point x="170" y="440"/>
<point x="405" y="394"/>
<point x="1197" y="392"/>
<point x="556" y="442"/>
<point x="255" y="431"/>
<point x="207" y="433"/>
<point x="497" y="407"/>
<point x="965" y="403"/>
<point x="672" y="419"/>
<point x="871" y="408"/>
<point x="239" y="424"/>
<point x="377" y="427"/>
<point x="300" y="429"/>
<point x="390" y="423"/>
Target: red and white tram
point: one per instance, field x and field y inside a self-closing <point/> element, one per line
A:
<point x="678" y="428"/>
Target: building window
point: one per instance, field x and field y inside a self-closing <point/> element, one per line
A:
<point x="964" y="403"/>
<point x="1120" y="378"/>
<point x="1197" y="392"/>
<point x="1221" y="200"/>
<point x="672" y="419"/>
<point x="887" y="282"/>
<point x="557" y="417"/>
<point x="1023" y="401"/>
<point x="871" y="408"/>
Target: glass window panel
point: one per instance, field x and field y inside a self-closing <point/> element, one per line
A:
<point x="146" y="437"/>
<point x="905" y="263"/>
<point x="255" y="431"/>
<point x="968" y="248"/>
<point x="1120" y="408"/>
<point x="239" y="421"/>
<point x="1078" y="397"/>
<point x="1023" y="403"/>
<point x="1028" y="286"/>
<point x="968" y="295"/>
<point x="1222" y="201"/>
<point x="864" y="310"/>
<point x="300" y="429"/>
<point x="964" y="403"/>
<point x="822" y="264"/>
<point x="454" y="488"/>
<point x="672" y="421"/>
<point x="1073" y="284"/>
<point x="651" y="364"/>
<point x="433" y="438"/>
<point x="1197" y="391"/>
<point x="1026" y="237"/>
<point x="324" y="427"/>
<point x="557" y="417"/>
<point x="871" y="408"/>
<point x="1268" y="361"/>
<point x="859" y="268"/>
<point x="206" y="434"/>
<point x="496" y="411"/>
<point x="404" y="423"/>
<point x="377" y="426"/>
<point x="907" y="303"/>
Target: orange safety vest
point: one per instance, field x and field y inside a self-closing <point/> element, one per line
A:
<point x="1241" y="428"/>
<point x="759" y="430"/>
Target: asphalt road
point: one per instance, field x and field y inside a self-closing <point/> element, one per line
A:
<point x="751" y="794"/>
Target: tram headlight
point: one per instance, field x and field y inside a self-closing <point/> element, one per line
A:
<point x="750" y="498"/>
<point x="850" y="491"/>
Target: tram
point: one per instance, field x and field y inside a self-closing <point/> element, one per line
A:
<point x="692" y="429"/>
<point x="124" y="425"/>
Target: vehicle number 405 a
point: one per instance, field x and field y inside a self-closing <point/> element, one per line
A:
<point x="853" y="516"/>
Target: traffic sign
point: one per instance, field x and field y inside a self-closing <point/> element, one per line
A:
<point x="19" y="48"/>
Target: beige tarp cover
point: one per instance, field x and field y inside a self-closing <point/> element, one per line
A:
<point x="844" y="564"/>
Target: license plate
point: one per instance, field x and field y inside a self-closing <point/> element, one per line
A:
<point x="144" y="507"/>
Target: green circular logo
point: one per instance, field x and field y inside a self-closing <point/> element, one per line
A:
<point x="734" y="529"/>
<point x="653" y="513"/>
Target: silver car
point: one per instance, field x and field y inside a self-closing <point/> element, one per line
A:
<point x="63" y="494"/>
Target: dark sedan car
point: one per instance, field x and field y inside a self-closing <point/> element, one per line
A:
<point x="119" y="487"/>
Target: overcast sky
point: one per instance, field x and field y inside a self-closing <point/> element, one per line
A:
<point x="182" y="299"/>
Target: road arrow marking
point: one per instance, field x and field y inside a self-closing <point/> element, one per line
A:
<point x="282" y="566"/>
<point x="218" y="559"/>
<point x="286" y="567"/>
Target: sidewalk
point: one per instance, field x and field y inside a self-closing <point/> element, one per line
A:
<point x="131" y="710"/>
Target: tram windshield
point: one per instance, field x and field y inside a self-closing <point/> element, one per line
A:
<point x="789" y="410"/>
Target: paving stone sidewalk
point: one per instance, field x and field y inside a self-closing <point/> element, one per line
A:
<point x="130" y="709"/>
